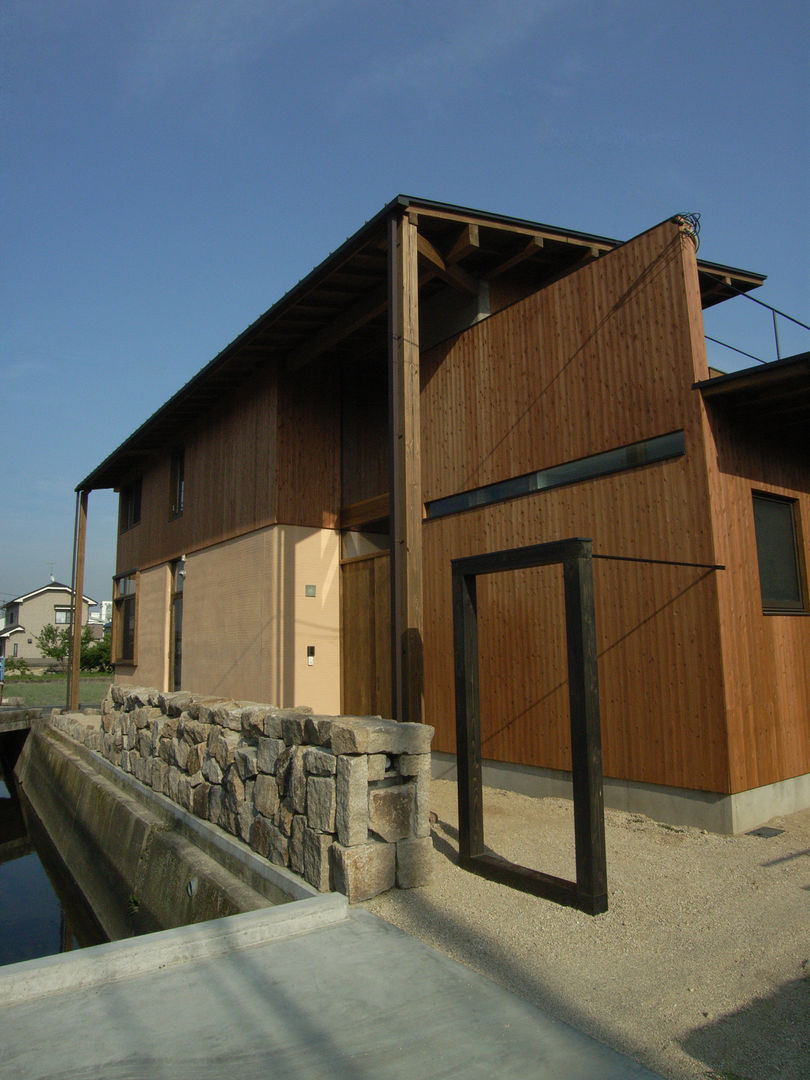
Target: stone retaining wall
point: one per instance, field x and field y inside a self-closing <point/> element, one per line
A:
<point x="342" y="801"/>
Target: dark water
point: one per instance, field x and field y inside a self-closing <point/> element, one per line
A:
<point x="41" y="910"/>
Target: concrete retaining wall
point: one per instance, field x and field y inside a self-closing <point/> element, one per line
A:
<point x="137" y="870"/>
<point x="342" y="801"/>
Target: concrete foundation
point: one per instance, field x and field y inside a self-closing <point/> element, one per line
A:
<point x="676" y="806"/>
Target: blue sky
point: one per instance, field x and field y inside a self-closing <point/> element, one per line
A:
<point x="171" y="167"/>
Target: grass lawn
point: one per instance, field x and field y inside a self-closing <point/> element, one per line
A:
<point x="52" y="690"/>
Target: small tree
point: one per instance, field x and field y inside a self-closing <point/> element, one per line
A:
<point x="53" y="643"/>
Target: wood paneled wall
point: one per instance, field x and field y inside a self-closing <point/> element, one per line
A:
<point x="660" y="668"/>
<point x="309" y="446"/>
<point x="601" y="358"/>
<point x="230" y="479"/>
<point x="766" y="657"/>
<point x="366" y="635"/>
<point x="267" y="453"/>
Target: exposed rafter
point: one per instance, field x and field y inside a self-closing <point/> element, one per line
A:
<point x="467" y="242"/>
<point x="358" y="315"/>
<point x="453" y="275"/>
<point x="534" y="245"/>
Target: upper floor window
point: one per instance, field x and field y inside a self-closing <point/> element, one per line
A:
<point x="778" y="553"/>
<point x="177" y="481"/>
<point x="130" y="505"/>
<point x="61" y="616"/>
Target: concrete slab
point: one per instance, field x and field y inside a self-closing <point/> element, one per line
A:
<point x="343" y="995"/>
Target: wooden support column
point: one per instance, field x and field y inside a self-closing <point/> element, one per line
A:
<point x="77" y="601"/>
<point x="407" y="686"/>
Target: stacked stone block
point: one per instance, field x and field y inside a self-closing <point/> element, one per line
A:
<point x="342" y="801"/>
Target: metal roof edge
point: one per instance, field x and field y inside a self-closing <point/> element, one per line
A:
<point x="755" y="371"/>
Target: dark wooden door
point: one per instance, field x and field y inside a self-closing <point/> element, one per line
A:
<point x="366" y="633"/>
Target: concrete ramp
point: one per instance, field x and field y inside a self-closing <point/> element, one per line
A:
<point x="308" y="990"/>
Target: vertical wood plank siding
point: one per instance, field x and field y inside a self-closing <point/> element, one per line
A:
<point x="767" y="657"/>
<point x="268" y="453"/>
<point x="601" y="358"/>
<point x="309" y="446"/>
<point x="366" y="645"/>
<point x="230" y="480"/>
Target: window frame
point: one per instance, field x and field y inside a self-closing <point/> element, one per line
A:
<point x="125" y="607"/>
<point x="129" y="510"/>
<point x="177" y="483"/>
<point x="771" y="605"/>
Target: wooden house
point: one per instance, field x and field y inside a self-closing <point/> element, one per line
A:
<point x="448" y="383"/>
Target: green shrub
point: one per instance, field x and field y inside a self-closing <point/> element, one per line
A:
<point x="95" y="655"/>
<point x="17" y="665"/>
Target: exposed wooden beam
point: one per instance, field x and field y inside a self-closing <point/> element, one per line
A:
<point x="517" y="230"/>
<point x="534" y="245"/>
<point x="467" y="241"/>
<point x="589" y="255"/>
<point x="453" y="275"/>
<point x="361" y="513"/>
<point x="407" y="686"/>
<point x="362" y="312"/>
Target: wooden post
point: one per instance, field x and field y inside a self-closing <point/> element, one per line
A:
<point x="407" y="685"/>
<point x="77" y="602"/>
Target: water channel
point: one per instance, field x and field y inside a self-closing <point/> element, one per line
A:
<point x="41" y="909"/>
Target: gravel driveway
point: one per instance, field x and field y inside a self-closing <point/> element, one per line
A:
<point x="699" y="969"/>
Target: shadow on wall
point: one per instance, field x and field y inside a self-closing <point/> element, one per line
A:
<point x="734" y="1043"/>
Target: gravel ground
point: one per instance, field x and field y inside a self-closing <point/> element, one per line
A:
<point x="701" y="966"/>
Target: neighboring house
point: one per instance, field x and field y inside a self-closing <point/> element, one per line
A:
<point x="26" y="615"/>
<point x="449" y="383"/>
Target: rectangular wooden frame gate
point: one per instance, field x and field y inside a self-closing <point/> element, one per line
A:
<point x="589" y="892"/>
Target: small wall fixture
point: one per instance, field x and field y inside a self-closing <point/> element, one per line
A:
<point x="310" y="655"/>
<point x="309" y="590"/>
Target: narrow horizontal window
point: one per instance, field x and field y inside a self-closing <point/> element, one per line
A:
<point x="646" y="452"/>
<point x="780" y="579"/>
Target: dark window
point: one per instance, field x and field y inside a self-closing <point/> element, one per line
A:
<point x="178" y="582"/>
<point x="780" y="579"/>
<point x="177" y="482"/>
<point x="61" y="616"/>
<point x="124" y="618"/>
<point x="130" y="505"/>
<point x="631" y="456"/>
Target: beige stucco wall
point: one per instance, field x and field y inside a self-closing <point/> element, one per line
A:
<point x="247" y="621"/>
<point x="152" y="634"/>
